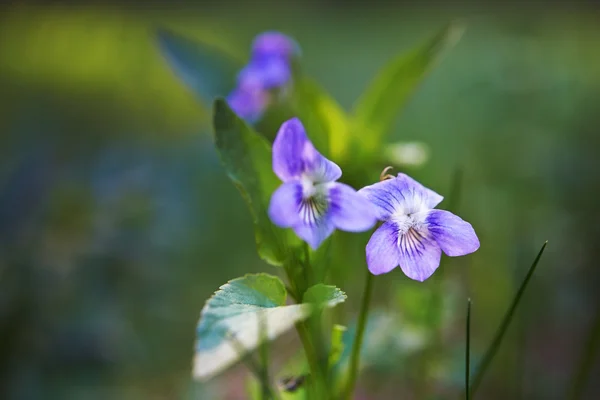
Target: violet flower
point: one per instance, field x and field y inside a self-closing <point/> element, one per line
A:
<point x="413" y="235"/>
<point x="310" y="201"/>
<point x="268" y="71"/>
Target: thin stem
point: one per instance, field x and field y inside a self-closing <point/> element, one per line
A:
<point x="588" y="355"/>
<point x="360" y="330"/>
<point x="264" y="358"/>
<point x="310" y="334"/>
<point x="309" y="274"/>
<point x="491" y="352"/>
<point x="468" y="351"/>
<point x="312" y="358"/>
<point x="256" y="369"/>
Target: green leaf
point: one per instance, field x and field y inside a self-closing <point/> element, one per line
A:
<point x="324" y="295"/>
<point x="246" y="311"/>
<point x="499" y="335"/>
<point x="325" y="122"/>
<point x="337" y="344"/>
<point x="232" y="320"/>
<point x="377" y="108"/>
<point x="207" y="70"/>
<point x="247" y="158"/>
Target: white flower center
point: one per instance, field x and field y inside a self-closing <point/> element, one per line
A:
<point x="405" y="222"/>
<point x="315" y="201"/>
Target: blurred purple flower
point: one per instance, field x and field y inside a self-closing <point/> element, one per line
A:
<point x="249" y="101"/>
<point x="310" y="201"/>
<point x="413" y="235"/>
<point x="276" y="44"/>
<point x="269" y="69"/>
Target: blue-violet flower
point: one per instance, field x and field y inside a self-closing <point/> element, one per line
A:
<point x="269" y="70"/>
<point x="413" y="235"/>
<point x="310" y="201"/>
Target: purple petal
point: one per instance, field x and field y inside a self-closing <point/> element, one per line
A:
<point x="419" y="254"/>
<point x="294" y="155"/>
<point x="350" y="211"/>
<point x="285" y="202"/>
<point x="385" y="196"/>
<point x="420" y="192"/>
<point x="248" y="102"/>
<point x="455" y="236"/>
<point x="272" y="72"/>
<point x="382" y="249"/>
<point x="315" y="234"/>
<point x="275" y="44"/>
<point x="401" y="195"/>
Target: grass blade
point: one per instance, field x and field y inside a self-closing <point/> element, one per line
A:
<point x="588" y="355"/>
<point x="491" y="352"/>
<point x="468" y="351"/>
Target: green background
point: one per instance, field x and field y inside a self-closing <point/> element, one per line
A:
<point x="117" y="221"/>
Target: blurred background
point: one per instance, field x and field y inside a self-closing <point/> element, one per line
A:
<point x="117" y="221"/>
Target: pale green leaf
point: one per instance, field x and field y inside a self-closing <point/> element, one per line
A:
<point x="236" y="317"/>
<point x="246" y="311"/>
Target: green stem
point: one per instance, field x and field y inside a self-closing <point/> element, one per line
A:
<point x="309" y="331"/>
<point x="312" y="358"/>
<point x="264" y="359"/>
<point x="360" y="331"/>
<point x="259" y="371"/>
<point x="491" y="352"/>
<point x="468" y="351"/>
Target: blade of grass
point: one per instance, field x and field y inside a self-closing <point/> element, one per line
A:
<point x="468" y="351"/>
<point x="588" y="355"/>
<point x="492" y="350"/>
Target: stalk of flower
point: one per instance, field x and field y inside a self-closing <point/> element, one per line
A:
<point x="310" y="201"/>
<point x="266" y="77"/>
<point x="413" y="234"/>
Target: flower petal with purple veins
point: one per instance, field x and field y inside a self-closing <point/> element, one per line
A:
<point x="455" y="236"/>
<point x="348" y="210"/>
<point x="401" y="195"/>
<point x="315" y="234"/>
<point x="285" y="203"/>
<point x="295" y="157"/>
<point x="384" y="195"/>
<point x="419" y="254"/>
<point x="420" y="193"/>
<point x="382" y="249"/>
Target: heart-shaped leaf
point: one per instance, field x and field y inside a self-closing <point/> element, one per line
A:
<point x="207" y="70"/>
<point x="244" y="312"/>
<point x="323" y="295"/>
<point x="377" y="108"/>
<point x="247" y="158"/>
